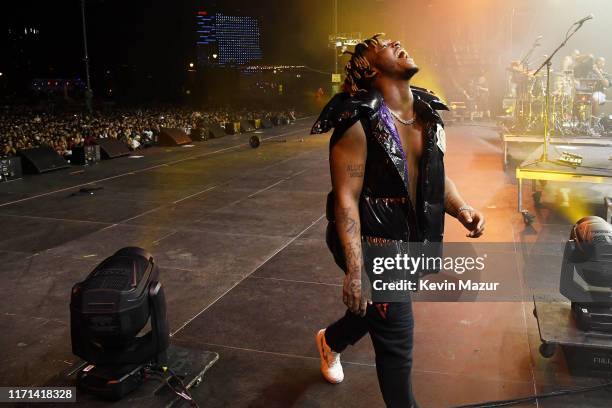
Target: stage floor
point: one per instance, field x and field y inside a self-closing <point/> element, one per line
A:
<point x="238" y="234"/>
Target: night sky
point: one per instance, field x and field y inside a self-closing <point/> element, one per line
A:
<point x="155" y="33"/>
<point x="156" y="38"/>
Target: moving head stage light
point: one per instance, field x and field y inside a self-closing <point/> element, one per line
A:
<point x="586" y="277"/>
<point x="109" y="310"/>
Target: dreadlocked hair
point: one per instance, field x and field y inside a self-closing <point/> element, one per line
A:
<point x="359" y="73"/>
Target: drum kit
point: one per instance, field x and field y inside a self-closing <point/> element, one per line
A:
<point x="573" y="99"/>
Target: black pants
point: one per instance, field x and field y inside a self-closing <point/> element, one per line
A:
<point x="391" y="333"/>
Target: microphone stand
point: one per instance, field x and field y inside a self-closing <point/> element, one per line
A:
<point x="548" y="63"/>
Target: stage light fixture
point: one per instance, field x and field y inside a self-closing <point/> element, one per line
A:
<point x="586" y="275"/>
<point x="109" y="311"/>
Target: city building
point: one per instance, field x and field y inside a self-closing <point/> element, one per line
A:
<point x="227" y="40"/>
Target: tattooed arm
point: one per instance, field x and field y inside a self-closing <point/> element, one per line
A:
<point x="347" y="164"/>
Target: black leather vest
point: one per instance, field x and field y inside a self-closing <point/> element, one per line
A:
<point x="384" y="206"/>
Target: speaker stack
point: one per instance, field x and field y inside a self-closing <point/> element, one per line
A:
<point x="85" y="155"/>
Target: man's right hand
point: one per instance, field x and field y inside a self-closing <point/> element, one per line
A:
<point x="352" y="295"/>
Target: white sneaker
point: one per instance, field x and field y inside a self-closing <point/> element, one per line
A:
<point x="330" y="360"/>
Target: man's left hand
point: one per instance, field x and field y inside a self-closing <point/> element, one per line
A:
<point x="473" y="221"/>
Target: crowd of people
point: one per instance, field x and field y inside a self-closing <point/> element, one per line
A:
<point x="23" y="128"/>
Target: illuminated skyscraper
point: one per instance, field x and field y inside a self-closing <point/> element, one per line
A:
<point x="237" y="39"/>
<point x="227" y="40"/>
<point x="206" y="43"/>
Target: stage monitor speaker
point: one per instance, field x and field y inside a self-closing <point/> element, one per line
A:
<point x="111" y="148"/>
<point x="41" y="160"/>
<point x="85" y="155"/>
<point x="216" y="131"/>
<point x="266" y="123"/>
<point x="172" y="137"/>
<point x="232" y="128"/>
<point x="10" y="168"/>
<point x="246" y="126"/>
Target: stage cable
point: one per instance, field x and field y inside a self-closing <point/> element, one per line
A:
<point x="179" y="389"/>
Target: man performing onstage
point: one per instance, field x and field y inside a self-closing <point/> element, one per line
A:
<point x="387" y="170"/>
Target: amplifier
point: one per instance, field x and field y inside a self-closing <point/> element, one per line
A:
<point x="85" y="155"/>
<point x="10" y="168"/>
